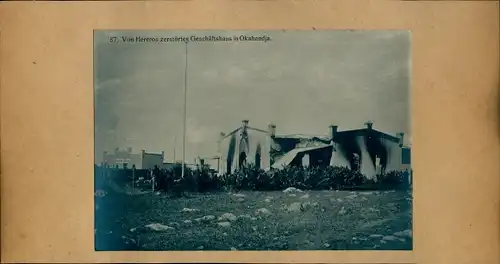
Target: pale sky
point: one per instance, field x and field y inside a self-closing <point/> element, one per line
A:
<point x="302" y="81"/>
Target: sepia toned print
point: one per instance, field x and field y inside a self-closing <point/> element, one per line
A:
<point x="252" y="140"/>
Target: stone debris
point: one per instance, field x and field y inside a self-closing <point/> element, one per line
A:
<point x="233" y="249"/>
<point x="352" y="196"/>
<point x="188" y="222"/>
<point x="224" y="224"/>
<point x="263" y="211"/>
<point x="327" y="245"/>
<point x="376" y="236"/>
<point x="292" y="190"/>
<point x="128" y="240"/>
<point x="227" y="216"/>
<point x="404" y="233"/>
<point x="374" y="223"/>
<point x="189" y="210"/>
<point x="305" y="196"/>
<point x="309" y="205"/>
<point x="389" y="238"/>
<point x="294" y="207"/>
<point x="267" y="200"/>
<point x="159" y="227"/>
<point x="240" y="200"/>
<point x="100" y="193"/>
<point x="313" y="204"/>
<point x="342" y="211"/>
<point x="239" y="195"/>
<point x="206" y="218"/>
<point x="245" y="216"/>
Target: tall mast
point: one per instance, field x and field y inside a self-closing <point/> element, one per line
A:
<point x="185" y="111"/>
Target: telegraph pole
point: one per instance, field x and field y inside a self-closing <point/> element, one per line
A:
<point x="185" y="113"/>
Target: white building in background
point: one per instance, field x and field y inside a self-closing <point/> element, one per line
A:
<point x="128" y="159"/>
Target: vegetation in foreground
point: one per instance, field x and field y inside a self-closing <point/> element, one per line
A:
<point x="203" y="179"/>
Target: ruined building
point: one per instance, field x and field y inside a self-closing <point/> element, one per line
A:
<point x="366" y="149"/>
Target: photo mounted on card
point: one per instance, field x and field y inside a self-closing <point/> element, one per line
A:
<point x="280" y="140"/>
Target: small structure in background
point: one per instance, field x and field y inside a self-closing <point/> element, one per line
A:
<point x="126" y="159"/>
<point x="406" y="163"/>
<point x="406" y="158"/>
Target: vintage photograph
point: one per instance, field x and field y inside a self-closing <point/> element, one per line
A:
<point x="252" y="140"/>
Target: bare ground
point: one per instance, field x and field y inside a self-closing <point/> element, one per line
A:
<point x="311" y="220"/>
